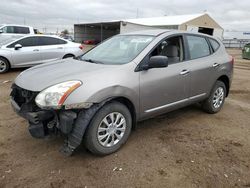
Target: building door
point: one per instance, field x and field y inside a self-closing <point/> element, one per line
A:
<point x="208" y="31"/>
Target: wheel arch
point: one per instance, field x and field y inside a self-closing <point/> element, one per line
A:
<point x="225" y="80"/>
<point x="128" y="103"/>
<point x="68" y="54"/>
<point x="6" y="60"/>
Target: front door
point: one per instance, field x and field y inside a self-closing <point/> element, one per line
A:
<point x="28" y="55"/>
<point x="165" y="88"/>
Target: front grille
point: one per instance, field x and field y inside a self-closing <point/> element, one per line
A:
<point x="24" y="97"/>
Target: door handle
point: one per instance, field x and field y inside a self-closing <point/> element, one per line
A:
<point x="59" y="47"/>
<point x="35" y="50"/>
<point x="216" y="65"/>
<point x="184" y="72"/>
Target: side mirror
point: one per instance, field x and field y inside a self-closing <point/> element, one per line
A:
<point x="157" y="62"/>
<point x="18" y="46"/>
<point x="1" y="31"/>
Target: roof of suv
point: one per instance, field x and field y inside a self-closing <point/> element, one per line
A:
<point x="157" y="32"/>
<point x="15" y="25"/>
<point x="153" y="32"/>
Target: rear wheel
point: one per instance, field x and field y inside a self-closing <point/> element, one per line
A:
<point x="109" y="129"/>
<point x="216" y="99"/>
<point x="4" y="65"/>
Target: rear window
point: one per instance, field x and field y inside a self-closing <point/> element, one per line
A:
<point x="198" y="47"/>
<point x="44" y="41"/>
<point x="215" y="45"/>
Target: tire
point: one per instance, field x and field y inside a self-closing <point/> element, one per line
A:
<point x="216" y="99"/>
<point x="68" y="56"/>
<point x="99" y="138"/>
<point x="4" y="65"/>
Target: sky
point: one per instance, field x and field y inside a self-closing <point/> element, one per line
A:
<point x="53" y="15"/>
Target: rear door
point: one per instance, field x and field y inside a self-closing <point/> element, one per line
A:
<point x="28" y="55"/>
<point x="202" y="66"/>
<point x="51" y="48"/>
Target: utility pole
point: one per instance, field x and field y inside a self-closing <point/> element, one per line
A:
<point x="45" y="30"/>
<point x="137" y="13"/>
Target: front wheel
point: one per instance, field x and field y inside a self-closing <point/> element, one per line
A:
<point x="216" y="99"/>
<point x="109" y="129"/>
<point x="4" y="65"/>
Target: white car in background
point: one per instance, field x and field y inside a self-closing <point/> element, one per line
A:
<point x="29" y="50"/>
<point x="8" y="29"/>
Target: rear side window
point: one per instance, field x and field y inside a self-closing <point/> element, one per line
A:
<point x="215" y="45"/>
<point x="21" y="30"/>
<point x="44" y="41"/>
<point x="198" y="47"/>
<point x="26" y="42"/>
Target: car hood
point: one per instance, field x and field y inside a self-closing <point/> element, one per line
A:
<point x="42" y="76"/>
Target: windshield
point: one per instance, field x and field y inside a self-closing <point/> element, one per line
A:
<point x="120" y="49"/>
<point x="6" y="39"/>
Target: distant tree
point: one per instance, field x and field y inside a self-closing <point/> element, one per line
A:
<point x="65" y="32"/>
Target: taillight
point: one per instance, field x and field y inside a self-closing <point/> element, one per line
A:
<point x="81" y="47"/>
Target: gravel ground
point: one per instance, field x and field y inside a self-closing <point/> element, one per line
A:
<point x="184" y="148"/>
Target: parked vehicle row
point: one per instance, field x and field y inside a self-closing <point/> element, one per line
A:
<point x="99" y="97"/>
<point x="29" y="50"/>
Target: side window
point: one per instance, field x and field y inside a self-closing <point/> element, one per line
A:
<point x="198" y="47"/>
<point x="9" y="29"/>
<point x="171" y="48"/>
<point x="21" y="30"/>
<point x="26" y="42"/>
<point x="5" y="29"/>
<point x="215" y="45"/>
<point x="43" y="41"/>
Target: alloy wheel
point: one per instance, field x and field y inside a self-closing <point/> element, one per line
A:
<point x="3" y="66"/>
<point x="218" y="97"/>
<point x="111" y="129"/>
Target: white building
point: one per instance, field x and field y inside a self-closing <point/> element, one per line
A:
<point x="100" y="31"/>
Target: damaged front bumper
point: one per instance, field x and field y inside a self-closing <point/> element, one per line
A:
<point x="45" y="122"/>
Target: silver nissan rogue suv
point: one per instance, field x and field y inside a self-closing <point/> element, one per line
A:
<point x="98" y="97"/>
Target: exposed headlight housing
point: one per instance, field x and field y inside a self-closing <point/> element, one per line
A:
<point x="55" y="96"/>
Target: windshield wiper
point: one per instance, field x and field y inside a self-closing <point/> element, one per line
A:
<point x="92" y="61"/>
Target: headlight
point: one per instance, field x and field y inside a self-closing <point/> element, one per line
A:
<point x="54" y="96"/>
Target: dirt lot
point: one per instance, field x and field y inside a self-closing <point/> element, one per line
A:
<point x="185" y="148"/>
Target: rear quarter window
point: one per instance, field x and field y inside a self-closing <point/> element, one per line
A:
<point x="215" y="45"/>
